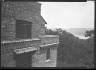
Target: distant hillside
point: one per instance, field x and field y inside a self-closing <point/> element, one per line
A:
<point x="78" y="31"/>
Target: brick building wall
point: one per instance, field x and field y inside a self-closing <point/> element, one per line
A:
<point x="49" y="39"/>
<point x="39" y="59"/>
<point x="7" y="51"/>
<point x="28" y="11"/>
<point x="7" y="29"/>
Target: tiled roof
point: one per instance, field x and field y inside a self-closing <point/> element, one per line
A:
<point x="40" y="18"/>
<point x="21" y="40"/>
<point x="23" y="50"/>
<point x="44" y="20"/>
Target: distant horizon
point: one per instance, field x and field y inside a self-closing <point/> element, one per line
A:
<point x="81" y="37"/>
<point x="69" y="28"/>
<point x="77" y="32"/>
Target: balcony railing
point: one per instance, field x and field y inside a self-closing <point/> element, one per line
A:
<point x="49" y="39"/>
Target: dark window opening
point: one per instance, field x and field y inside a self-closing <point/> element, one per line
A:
<point x="23" y="29"/>
<point x="23" y="60"/>
<point x="48" y="54"/>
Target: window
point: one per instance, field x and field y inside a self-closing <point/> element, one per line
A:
<point x="23" y="59"/>
<point x="42" y="50"/>
<point x="23" y="29"/>
<point x="48" y="54"/>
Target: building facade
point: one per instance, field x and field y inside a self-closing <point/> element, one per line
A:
<point x="23" y="39"/>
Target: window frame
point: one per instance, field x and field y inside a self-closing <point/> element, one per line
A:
<point x="26" y="24"/>
<point x="48" y="54"/>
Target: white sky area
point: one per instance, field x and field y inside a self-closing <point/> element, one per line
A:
<point x="68" y="14"/>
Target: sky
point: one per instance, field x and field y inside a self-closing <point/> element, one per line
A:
<point x="68" y="14"/>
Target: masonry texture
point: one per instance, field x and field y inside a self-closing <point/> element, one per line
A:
<point x="30" y="12"/>
<point x="12" y="11"/>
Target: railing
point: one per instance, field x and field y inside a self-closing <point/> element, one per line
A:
<point x="49" y="39"/>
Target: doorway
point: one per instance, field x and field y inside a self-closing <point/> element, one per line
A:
<point x="24" y="59"/>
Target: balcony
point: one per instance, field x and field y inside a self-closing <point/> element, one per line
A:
<point x="49" y="39"/>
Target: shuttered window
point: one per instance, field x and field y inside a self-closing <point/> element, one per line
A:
<point x="48" y="54"/>
<point x="23" y="29"/>
<point x="23" y="60"/>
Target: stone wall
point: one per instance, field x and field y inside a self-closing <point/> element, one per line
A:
<point x="7" y="29"/>
<point x="7" y="21"/>
<point x="7" y="53"/>
<point x="28" y="11"/>
<point x="49" y="39"/>
<point x="39" y="59"/>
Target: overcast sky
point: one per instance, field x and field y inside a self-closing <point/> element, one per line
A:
<point x="68" y="14"/>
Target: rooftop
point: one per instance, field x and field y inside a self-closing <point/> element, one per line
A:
<point x="49" y="36"/>
<point x="28" y="49"/>
<point x="21" y="40"/>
